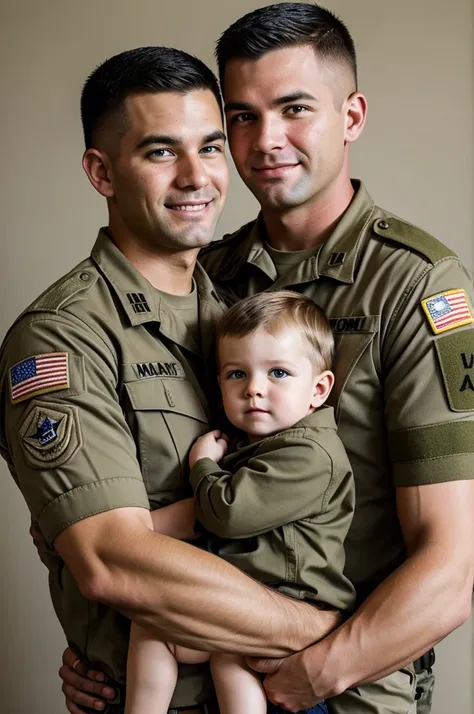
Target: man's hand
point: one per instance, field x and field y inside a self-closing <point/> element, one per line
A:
<point x="212" y="445"/>
<point x="288" y="682"/>
<point x="83" y="687"/>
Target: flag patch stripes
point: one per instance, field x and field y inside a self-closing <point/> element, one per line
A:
<point x="39" y="374"/>
<point x="447" y="310"/>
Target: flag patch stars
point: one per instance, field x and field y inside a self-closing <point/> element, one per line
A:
<point x="39" y="374"/>
<point x="447" y="310"/>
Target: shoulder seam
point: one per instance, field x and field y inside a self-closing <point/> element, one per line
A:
<point x="58" y="317"/>
<point x="410" y="288"/>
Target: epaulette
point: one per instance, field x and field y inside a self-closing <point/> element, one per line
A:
<point x="399" y="231"/>
<point x="71" y="287"/>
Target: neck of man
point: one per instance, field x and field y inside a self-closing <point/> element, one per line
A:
<point x="310" y="224"/>
<point x="169" y="271"/>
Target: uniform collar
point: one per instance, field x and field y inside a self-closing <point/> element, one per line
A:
<point x="141" y="302"/>
<point x="322" y="418"/>
<point x="137" y="295"/>
<point x="336" y="258"/>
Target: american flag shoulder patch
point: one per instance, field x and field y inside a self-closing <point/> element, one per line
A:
<point x="448" y="310"/>
<point x="39" y="374"/>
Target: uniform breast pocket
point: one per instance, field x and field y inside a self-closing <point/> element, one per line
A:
<point x="166" y="417"/>
<point x="353" y="366"/>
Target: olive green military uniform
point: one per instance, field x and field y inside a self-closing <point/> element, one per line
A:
<point x="281" y="508"/>
<point x="400" y="304"/>
<point x="106" y="421"/>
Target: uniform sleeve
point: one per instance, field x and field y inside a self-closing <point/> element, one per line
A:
<point x="428" y="360"/>
<point x="70" y="451"/>
<point x="288" y="479"/>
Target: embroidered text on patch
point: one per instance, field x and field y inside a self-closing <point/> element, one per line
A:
<point x="39" y="374"/>
<point x="447" y="310"/>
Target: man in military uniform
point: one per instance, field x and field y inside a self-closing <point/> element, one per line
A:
<point x="400" y="303"/>
<point x="401" y="306"/>
<point x="103" y="386"/>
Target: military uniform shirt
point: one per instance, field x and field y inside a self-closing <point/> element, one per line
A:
<point x="99" y="409"/>
<point x="281" y="508"/>
<point x="400" y="304"/>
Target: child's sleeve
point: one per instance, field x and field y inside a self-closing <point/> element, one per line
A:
<point x="289" y="478"/>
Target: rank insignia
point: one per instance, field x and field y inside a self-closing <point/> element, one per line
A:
<point x="50" y="434"/>
<point x="447" y="310"/>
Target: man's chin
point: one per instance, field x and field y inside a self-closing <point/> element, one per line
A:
<point x="277" y="197"/>
<point x="193" y="240"/>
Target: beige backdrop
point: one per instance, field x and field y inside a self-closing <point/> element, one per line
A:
<point x="416" y="156"/>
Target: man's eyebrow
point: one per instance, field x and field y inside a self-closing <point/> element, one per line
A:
<point x="296" y="96"/>
<point x="237" y="106"/>
<point x="169" y="140"/>
<point x="158" y="139"/>
<point x="293" y="97"/>
<point x="217" y="135"/>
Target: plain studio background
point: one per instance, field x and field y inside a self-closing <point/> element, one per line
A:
<point x="416" y="157"/>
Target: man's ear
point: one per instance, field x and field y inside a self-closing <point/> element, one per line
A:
<point x="356" y="114"/>
<point x="97" y="167"/>
<point x="323" y="384"/>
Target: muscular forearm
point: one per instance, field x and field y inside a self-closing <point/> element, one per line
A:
<point x="176" y="520"/>
<point x="418" y="605"/>
<point x="186" y="595"/>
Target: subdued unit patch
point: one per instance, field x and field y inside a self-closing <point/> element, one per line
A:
<point x="447" y="310"/>
<point x="456" y="359"/>
<point x="50" y="434"/>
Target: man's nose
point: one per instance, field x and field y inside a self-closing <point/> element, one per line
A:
<point x="192" y="173"/>
<point x="269" y="135"/>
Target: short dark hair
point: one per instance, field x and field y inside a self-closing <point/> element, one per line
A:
<point x="275" y="311"/>
<point x="285" y="25"/>
<point x="139" y="71"/>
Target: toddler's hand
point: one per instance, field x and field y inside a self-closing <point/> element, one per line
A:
<point x="212" y="445"/>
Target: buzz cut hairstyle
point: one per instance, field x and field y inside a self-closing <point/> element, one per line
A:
<point x="276" y="311"/>
<point x="144" y="70"/>
<point x="288" y="24"/>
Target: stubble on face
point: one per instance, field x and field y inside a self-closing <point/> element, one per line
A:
<point x="311" y="142"/>
<point x="168" y="171"/>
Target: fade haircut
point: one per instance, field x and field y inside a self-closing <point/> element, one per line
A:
<point x="140" y="71"/>
<point x="288" y="25"/>
<point x="276" y="311"/>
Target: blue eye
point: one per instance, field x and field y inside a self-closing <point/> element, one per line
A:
<point x="279" y="373"/>
<point x="211" y="150"/>
<point x="159" y="153"/>
<point x="236" y="374"/>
